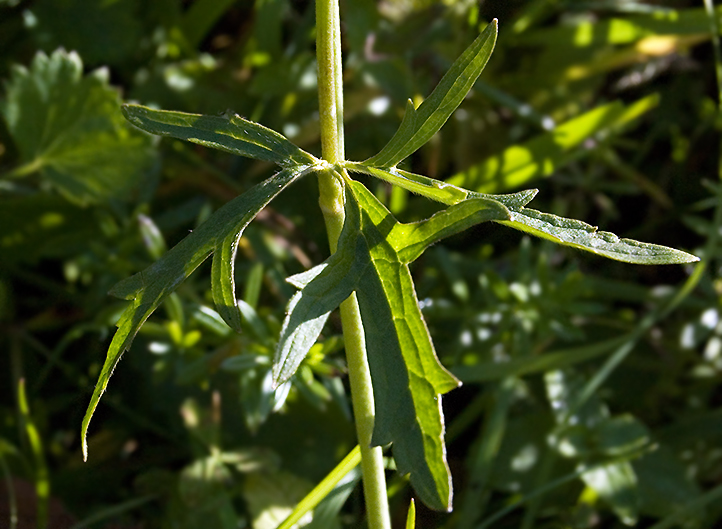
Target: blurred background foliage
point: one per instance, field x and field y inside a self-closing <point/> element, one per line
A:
<point x="592" y="388"/>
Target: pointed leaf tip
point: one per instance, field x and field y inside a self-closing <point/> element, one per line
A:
<point x="580" y="235"/>
<point x="411" y="515"/>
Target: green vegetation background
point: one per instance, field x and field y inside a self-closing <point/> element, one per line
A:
<point x="591" y="388"/>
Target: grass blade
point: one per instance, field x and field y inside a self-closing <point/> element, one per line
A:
<point x="322" y="490"/>
<point x="481" y="464"/>
<point x="42" y="475"/>
<point x="411" y="515"/>
<point x="541" y="156"/>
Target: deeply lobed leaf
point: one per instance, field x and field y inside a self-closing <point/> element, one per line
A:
<point x="372" y="260"/>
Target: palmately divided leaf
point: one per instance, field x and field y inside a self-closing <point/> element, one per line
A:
<point x="372" y="260"/>
<point x="148" y="289"/>
<point x="583" y="236"/>
<point x="420" y="124"/>
<point x="67" y="128"/>
<point x="230" y="133"/>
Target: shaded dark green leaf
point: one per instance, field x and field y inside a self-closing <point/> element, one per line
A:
<point x="665" y="485"/>
<point x="44" y="225"/>
<point x="148" y="289"/>
<point x="103" y="33"/>
<point x="526" y="365"/>
<point x="67" y="127"/>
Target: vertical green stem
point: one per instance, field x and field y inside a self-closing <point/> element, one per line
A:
<point x="42" y="480"/>
<point x="372" y="464"/>
<point x="331" y="200"/>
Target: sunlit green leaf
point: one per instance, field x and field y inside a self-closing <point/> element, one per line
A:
<point x="410" y="240"/>
<point x="583" y="236"/>
<point x="203" y="496"/>
<point x="420" y="124"/>
<point x="257" y="326"/>
<point x="620" y="435"/>
<point x="560" y="230"/>
<point x="148" y="289"/>
<point x="616" y="31"/>
<point x="616" y="483"/>
<point x="152" y="237"/>
<point x="230" y="133"/>
<point x="408" y="379"/>
<point x="67" y="127"/>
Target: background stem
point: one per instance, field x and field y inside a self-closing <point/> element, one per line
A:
<point x="331" y="200"/>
